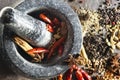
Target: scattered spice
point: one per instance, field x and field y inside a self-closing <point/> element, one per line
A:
<point x="101" y="38"/>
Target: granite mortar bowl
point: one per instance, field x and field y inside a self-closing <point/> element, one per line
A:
<point x="19" y="64"/>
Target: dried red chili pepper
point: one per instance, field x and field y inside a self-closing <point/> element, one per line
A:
<point x="37" y="51"/>
<point x="79" y="75"/>
<point x="45" y="18"/>
<point x="60" y="50"/>
<point x="68" y="74"/>
<point x="56" y="22"/>
<point x="56" y="45"/>
<point x="49" y="28"/>
<point x="85" y="75"/>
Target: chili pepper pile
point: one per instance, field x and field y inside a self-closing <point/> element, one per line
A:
<point x="75" y="72"/>
<point x="55" y="48"/>
<point x="55" y="26"/>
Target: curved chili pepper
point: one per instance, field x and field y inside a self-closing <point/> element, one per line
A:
<point x="68" y="74"/>
<point x="60" y="50"/>
<point x="49" y="28"/>
<point x="37" y="51"/>
<point x="79" y="75"/>
<point x="85" y="75"/>
<point x="45" y="18"/>
<point x="56" y="45"/>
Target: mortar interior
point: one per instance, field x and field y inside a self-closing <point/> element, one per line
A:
<point x="67" y="45"/>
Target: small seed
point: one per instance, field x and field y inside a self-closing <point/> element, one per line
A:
<point x="57" y="36"/>
<point x="118" y="45"/>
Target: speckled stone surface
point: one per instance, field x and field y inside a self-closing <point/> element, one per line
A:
<point x="32" y="30"/>
<point x="73" y="44"/>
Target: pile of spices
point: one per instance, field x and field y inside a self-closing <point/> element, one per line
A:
<point x="101" y="42"/>
<point x="59" y="33"/>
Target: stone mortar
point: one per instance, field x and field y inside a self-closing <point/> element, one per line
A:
<point x="20" y="65"/>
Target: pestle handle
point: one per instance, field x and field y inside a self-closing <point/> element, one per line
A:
<point x="32" y="30"/>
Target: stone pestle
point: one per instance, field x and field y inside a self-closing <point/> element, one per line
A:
<point x="32" y="30"/>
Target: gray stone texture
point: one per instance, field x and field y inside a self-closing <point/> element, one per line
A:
<point x="32" y="30"/>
